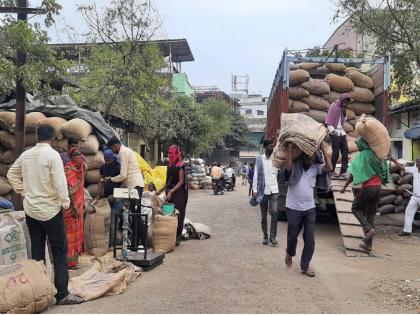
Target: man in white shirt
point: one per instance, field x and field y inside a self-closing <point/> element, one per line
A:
<point x="267" y="191"/>
<point x="414" y="203"/>
<point x="38" y="175"/>
<point x="230" y="172"/>
<point x="130" y="177"/>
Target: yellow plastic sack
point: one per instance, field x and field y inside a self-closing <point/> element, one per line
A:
<point x="157" y="175"/>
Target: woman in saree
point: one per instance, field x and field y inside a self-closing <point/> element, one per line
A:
<point x="75" y="170"/>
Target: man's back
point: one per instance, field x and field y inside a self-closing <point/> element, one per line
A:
<point x="216" y="172"/>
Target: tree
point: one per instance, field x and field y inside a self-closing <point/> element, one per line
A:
<point x="238" y="134"/>
<point x="41" y="67"/>
<point x="394" y="24"/>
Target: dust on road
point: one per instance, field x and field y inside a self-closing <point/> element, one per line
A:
<point x="234" y="273"/>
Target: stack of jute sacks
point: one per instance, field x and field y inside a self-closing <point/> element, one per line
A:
<point x="313" y="96"/>
<point x="196" y="175"/>
<point x="303" y="132"/>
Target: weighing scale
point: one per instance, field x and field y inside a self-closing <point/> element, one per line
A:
<point x="139" y="257"/>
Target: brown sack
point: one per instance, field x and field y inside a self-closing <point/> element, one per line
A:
<point x="298" y="76"/>
<point x="93" y="190"/>
<point x="55" y="122"/>
<point x="351" y="69"/>
<point x="332" y="96"/>
<point x="352" y="146"/>
<point x="95" y="161"/>
<point x="298" y="107"/>
<point x="360" y="79"/>
<point x="339" y="84"/>
<point x="77" y="128"/>
<point x="280" y="155"/>
<point x="316" y="102"/>
<point x="293" y="66"/>
<point x="361" y="108"/>
<point x="316" y="86"/>
<point x="317" y="115"/>
<point x="395" y="178"/>
<point x="375" y="134"/>
<point x="350" y="114"/>
<point x="362" y="95"/>
<point x="30" y="139"/>
<point x="297" y="93"/>
<point x="399" y="201"/>
<point x="406" y="179"/>
<point x="90" y="146"/>
<point x="386" y="209"/>
<point x="25" y="288"/>
<point x="336" y="67"/>
<point x="7" y="157"/>
<point x="164" y="233"/>
<point x="60" y="145"/>
<point x="97" y="227"/>
<point x="400" y="209"/>
<point x="348" y="127"/>
<point x="387" y="200"/>
<point x="93" y="176"/>
<point x="33" y="120"/>
<point x="8" y="121"/>
<point x="5" y="187"/>
<point x="308" y="65"/>
<point x="7" y="140"/>
<point x="4" y="168"/>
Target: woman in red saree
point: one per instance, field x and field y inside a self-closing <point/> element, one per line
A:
<point x="75" y="169"/>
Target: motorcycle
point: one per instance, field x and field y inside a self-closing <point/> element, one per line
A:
<point x="228" y="183"/>
<point x="218" y="186"/>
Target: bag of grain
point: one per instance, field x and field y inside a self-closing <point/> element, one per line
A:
<point x="359" y="79"/>
<point x="298" y="76"/>
<point x="351" y="69"/>
<point x="375" y="134"/>
<point x="7" y="140"/>
<point x="95" y="161"/>
<point x="7" y="157"/>
<point x="317" y="115"/>
<point x="93" y="190"/>
<point x="332" y="96"/>
<point x="12" y="240"/>
<point x="348" y="127"/>
<point x="4" y="168"/>
<point x="25" y="288"/>
<point x="316" y="86"/>
<point x="60" y="145"/>
<point x="164" y="233"/>
<point x="77" y="128"/>
<point x="97" y="227"/>
<point x="362" y="95"/>
<point x="297" y="93"/>
<point x="385" y="209"/>
<point x="33" y="120"/>
<point x="30" y="139"/>
<point x="5" y="187"/>
<point x="316" y="102"/>
<point x="55" y="122"/>
<point x="90" y="146"/>
<point x="361" y="108"/>
<point x="298" y="107"/>
<point x="308" y="65"/>
<point x="8" y="121"/>
<point x="280" y="155"/>
<point x="93" y="176"/>
<point x="339" y="84"/>
<point x="336" y="67"/>
<point x="350" y="114"/>
<point x="293" y="66"/>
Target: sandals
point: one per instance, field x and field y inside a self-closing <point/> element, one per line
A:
<point x="369" y="235"/>
<point x="309" y="272"/>
<point x="71" y="299"/>
<point x="288" y="260"/>
<point x="365" y="247"/>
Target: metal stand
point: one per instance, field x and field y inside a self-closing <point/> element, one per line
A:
<point x="144" y="259"/>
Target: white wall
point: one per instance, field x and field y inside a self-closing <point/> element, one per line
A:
<point x="397" y="135"/>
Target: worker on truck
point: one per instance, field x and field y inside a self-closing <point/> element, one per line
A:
<point x="334" y="121"/>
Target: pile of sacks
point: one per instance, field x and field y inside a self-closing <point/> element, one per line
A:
<point x="196" y="175"/>
<point x="313" y="88"/>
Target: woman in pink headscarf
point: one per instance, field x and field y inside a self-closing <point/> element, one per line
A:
<point x="177" y="186"/>
<point x="334" y="121"/>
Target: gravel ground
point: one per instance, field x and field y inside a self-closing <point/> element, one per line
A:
<point x="234" y="273"/>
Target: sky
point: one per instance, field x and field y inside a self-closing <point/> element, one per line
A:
<point x="244" y="37"/>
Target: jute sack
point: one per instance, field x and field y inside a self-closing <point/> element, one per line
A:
<point x="336" y="67"/>
<point x="297" y="93"/>
<point x="12" y="240"/>
<point x="406" y="179"/>
<point x="280" y="155"/>
<point x="332" y="96"/>
<point x="316" y="102"/>
<point x="361" y="108"/>
<point x="385" y="209"/>
<point x="55" y="122"/>
<point x="316" y="86"/>
<point x="308" y="65"/>
<point x="7" y="157"/>
<point x="195" y="187"/>
<point x="7" y="140"/>
<point x="60" y="145"/>
<point x="8" y="121"/>
<point x="95" y="161"/>
<point x="293" y="66"/>
<point x="350" y="114"/>
<point x="77" y="128"/>
<point x="97" y="227"/>
<point x="93" y="176"/>
<point x="348" y="127"/>
<point x="25" y="288"/>
<point x="30" y="139"/>
<point x="298" y="76"/>
<point x="164" y="233"/>
<point x="317" y="115"/>
<point x="387" y="199"/>
<point x="375" y="134"/>
<point x="359" y="79"/>
<point x="352" y="146"/>
<point x="351" y="69"/>
<point x="4" y="168"/>
<point x="362" y="95"/>
<point x="298" y="107"/>
<point x="339" y="84"/>
<point x="90" y="146"/>
<point x="5" y="187"/>
<point x="33" y="120"/>
<point x="93" y="190"/>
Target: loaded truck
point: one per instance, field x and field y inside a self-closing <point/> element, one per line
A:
<point x="278" y="103"/>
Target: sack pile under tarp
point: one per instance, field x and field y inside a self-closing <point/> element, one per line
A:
<point x="196" y="175"/>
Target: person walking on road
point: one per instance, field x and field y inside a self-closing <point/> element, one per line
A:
<point x="300" y="204"/>
<point x="265" y="182"/>
<point x="176" y="187"/>
<point x="75" y="170"/>
<point x="367" y="169"/>
<point x="250" y="177"/>
<point x="414" y="203"/>
<point x="335" y="121"/>
<point x="244" y="173"/>
<point x="38" y="175"/>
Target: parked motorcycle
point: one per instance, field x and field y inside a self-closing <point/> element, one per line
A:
<point x="218" y="186"/>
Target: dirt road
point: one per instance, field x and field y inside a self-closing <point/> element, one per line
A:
<point x="234" y="273"/>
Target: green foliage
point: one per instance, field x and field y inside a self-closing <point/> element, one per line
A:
<point x="394" y="25"/>
<point x="238" y="135"/>
<point x="318" y="52"/>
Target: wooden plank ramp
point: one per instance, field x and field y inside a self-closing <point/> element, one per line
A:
<point x="350" y="228"/>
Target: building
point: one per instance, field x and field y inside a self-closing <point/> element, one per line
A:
<point x="204" y="92"/>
